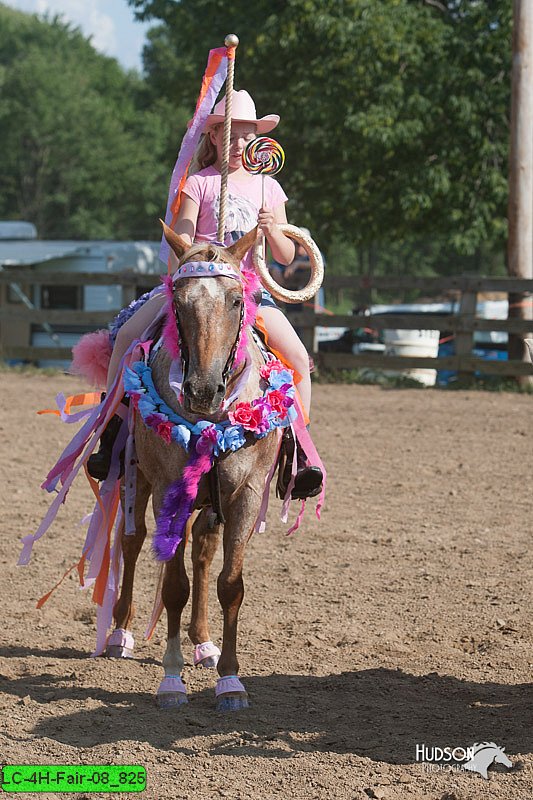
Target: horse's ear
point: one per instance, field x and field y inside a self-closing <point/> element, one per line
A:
<point x="176" y="243"/>
<point x="242" y="245"/>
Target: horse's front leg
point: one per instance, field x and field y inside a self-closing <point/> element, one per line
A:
<point x="174" y="593"/>
<point x="240" y="518"/>
<point x="204" y="546"/>
<point x="120" y="642"/>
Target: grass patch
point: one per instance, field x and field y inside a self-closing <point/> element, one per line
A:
<point x="30" y="369"/>
<point x="371" y="377"/>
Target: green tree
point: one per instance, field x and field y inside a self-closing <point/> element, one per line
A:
<point x="394" y="112"/>
<point x="81" y="151"/>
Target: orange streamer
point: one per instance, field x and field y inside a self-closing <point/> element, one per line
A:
<point x="75" y="400"/>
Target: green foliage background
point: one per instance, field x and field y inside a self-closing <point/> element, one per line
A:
<point x="82" y="152"/>
<point x="394" y="122"/>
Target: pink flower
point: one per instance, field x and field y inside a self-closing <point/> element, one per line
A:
<point x="164" y="429"/>
<point x="263" y="406"/>
<point x="277" y="401"/>
<point x="207" y="440"/>
<point x="134" y="399"/>
<point x="153" y="420"/>
<point x="275" y="365"/>
<point x="246" y="415"/>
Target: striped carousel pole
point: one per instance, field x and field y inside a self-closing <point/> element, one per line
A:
<point x="231" y="41"/>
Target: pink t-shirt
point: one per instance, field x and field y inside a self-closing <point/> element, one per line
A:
<point x="244" y="202"/>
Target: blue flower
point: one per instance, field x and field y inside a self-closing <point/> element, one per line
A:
<point x="131" y="380"/>
<point x="200" y="425"/>
<point x="234" y="438"/>
<point x="292" y="414"/>
<point x="146" y="406"/>
<point x="182" y="436"/>
<point x="277" y="379"/>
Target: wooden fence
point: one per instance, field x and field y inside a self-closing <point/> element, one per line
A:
<point x="462" y="324"/>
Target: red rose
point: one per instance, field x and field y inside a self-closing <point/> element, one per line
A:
<point x="277" y="402"/>
<point x="164" y="429"/>
<point x="275" y="364"/>
<point x="246" y="415"/>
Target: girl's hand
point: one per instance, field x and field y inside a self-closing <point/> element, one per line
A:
<point x="266" y="221"/>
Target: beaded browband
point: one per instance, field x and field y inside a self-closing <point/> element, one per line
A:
<point x="207" y="269"/>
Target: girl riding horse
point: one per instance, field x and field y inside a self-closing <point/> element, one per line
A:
<point x="197" y="223"/>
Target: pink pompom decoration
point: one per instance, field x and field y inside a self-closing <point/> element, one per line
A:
<point x="91" y="356"/>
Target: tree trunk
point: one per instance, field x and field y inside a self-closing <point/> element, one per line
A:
<point x="520" y="211"/>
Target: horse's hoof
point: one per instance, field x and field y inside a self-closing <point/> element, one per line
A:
<point x="168" y="700"/>
<point x="206" y="655"/>
<point x="232" y="702"/>
<point x="120" y="644"/>
<point x="117" y="651"/>
<point x="171" y="692"/>
<point x="230" y="694"/>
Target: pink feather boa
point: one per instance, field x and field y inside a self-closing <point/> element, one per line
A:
<point x="170" y="331"/>
<point x="91" y="356"/>
<point x="251" y="286"/>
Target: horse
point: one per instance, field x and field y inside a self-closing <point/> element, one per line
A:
<point x="484" y="754"/>
<point x="209" y="315"/>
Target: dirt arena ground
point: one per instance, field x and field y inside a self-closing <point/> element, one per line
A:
<point x="403" y="618"/>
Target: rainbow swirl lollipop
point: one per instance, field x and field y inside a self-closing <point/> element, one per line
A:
<point x="263" y="156"/>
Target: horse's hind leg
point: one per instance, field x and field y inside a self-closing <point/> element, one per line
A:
<point x="120" y="641"/>
<point x="204" y="546"/>
<point x="175" y="593"/>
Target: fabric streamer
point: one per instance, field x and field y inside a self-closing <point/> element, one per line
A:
<point x="214" y="77"/>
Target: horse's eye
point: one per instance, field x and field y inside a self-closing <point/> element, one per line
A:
<point x="237" y="303"/>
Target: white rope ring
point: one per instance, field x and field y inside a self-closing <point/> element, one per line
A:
<point x="315" y="260"/>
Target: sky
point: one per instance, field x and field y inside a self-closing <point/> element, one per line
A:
<point x="110" y="23"/>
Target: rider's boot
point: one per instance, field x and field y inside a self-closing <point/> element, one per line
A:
<point x="98" y="464"/>
<point x="308" y="480"/>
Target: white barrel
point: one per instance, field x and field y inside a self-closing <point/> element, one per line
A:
<point x="413" y="343"/>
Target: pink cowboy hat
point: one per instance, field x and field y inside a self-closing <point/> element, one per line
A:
<point x="242" y="110"/>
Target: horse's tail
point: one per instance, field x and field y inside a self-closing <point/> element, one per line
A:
<point x="90" y="357"/>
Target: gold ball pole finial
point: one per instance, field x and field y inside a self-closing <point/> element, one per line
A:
<point x="231" y="40"/>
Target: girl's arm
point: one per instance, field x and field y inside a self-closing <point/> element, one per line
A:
<point x="187" y="219"/>
<point x="282" y="247"/>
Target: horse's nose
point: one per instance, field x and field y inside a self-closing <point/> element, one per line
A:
<point x="203" y="395"/>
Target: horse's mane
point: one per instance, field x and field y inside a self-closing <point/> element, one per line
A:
<point x="210" y="252"/>
<point x="483" y="745"/>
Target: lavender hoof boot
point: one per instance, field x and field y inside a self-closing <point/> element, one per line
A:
<point x="120" y="644"/>
<point x="230" y="694"/>
<point x="206" y="655"/>
<point x="171" y="692"/>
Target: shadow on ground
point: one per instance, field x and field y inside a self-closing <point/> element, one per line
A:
<point x="378" y="713"/>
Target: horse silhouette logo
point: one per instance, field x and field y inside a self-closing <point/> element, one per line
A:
<point x="484" y="755"/>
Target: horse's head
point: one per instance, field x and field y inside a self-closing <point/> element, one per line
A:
<point x="484" y="754"/>
<point x="209" y="314"/>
